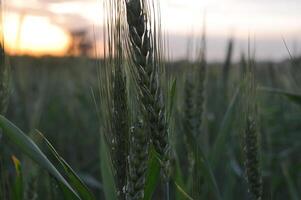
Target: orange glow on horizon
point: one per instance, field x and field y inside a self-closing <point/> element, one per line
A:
<point x="34" y="35"/>
<point x="38" y="27"/>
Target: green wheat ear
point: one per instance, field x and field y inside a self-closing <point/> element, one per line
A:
<point x="201" y="87"/>
<point x="4" y="81"/>
<point x="120" y="129"/>
<point x="227" y="63"/>
<point x="252" y="162"/>
<point x="143" y="52"/>
<point x="188" y="119"/>
<point x="4" y="71"/>
<point x="138" y="161"/>
<point x="194" y="107"/>
<point x="115" y="97"/>
<point x="251" y="143"/>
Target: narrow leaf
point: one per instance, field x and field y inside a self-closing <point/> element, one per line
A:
<point x="294" y="97"/>
<point x="224" y="129"/>
<point x="203" y="165"/>
<point x="184" y="194"/>
<point x="74" y="179"/>
<point x="172" y="94"/>
<point x="290" y="184"/>
<point x="28" y="147"/>
<point x="18" y="184"/>
<point x="153" y="175"/>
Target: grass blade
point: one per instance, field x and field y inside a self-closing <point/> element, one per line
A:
<point x="18" y="184"/>
<point x="178" y="176"/>
<point x="28" y="147"/>
<point x="184" y="194"/>
<point x="171" y="96"/>
<point x="203" y="165"/>
<point x="153" y="175"/>
<point x="74" y="179"/>
<point x="291" y="187"/>
<point x="294" y="97"/>
<point x="224" y="129"/>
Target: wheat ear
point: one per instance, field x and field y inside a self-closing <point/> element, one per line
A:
<point x="115" y="96"/>
<point x="4" y="81"/>
<point x="252" y="162"/>
<point x="120" y="130"/>
<point x="147" y="77"/>
<point x="251" y="144"/>
<point x="138" y="161"/>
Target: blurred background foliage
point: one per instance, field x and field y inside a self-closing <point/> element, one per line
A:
<point x="54" y="95"/>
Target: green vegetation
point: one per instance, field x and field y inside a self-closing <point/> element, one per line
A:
<point x="133" y="127"/>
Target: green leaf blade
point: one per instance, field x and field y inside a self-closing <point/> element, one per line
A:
<point x="153" y="175"/>
<point x="28" y="147"/>
<point x="74" y="179"/>
<point x="293" y="97"/>
<point x="18" y="184"/>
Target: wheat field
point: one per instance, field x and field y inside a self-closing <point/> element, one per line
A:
<point x="137" y="126"/>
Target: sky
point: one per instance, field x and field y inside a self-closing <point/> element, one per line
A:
<point x="42" y="26"/>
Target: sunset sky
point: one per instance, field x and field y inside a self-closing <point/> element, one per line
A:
<point x="42" y="26"/>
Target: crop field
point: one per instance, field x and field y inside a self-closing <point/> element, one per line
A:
<point x="136" y="126"/>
